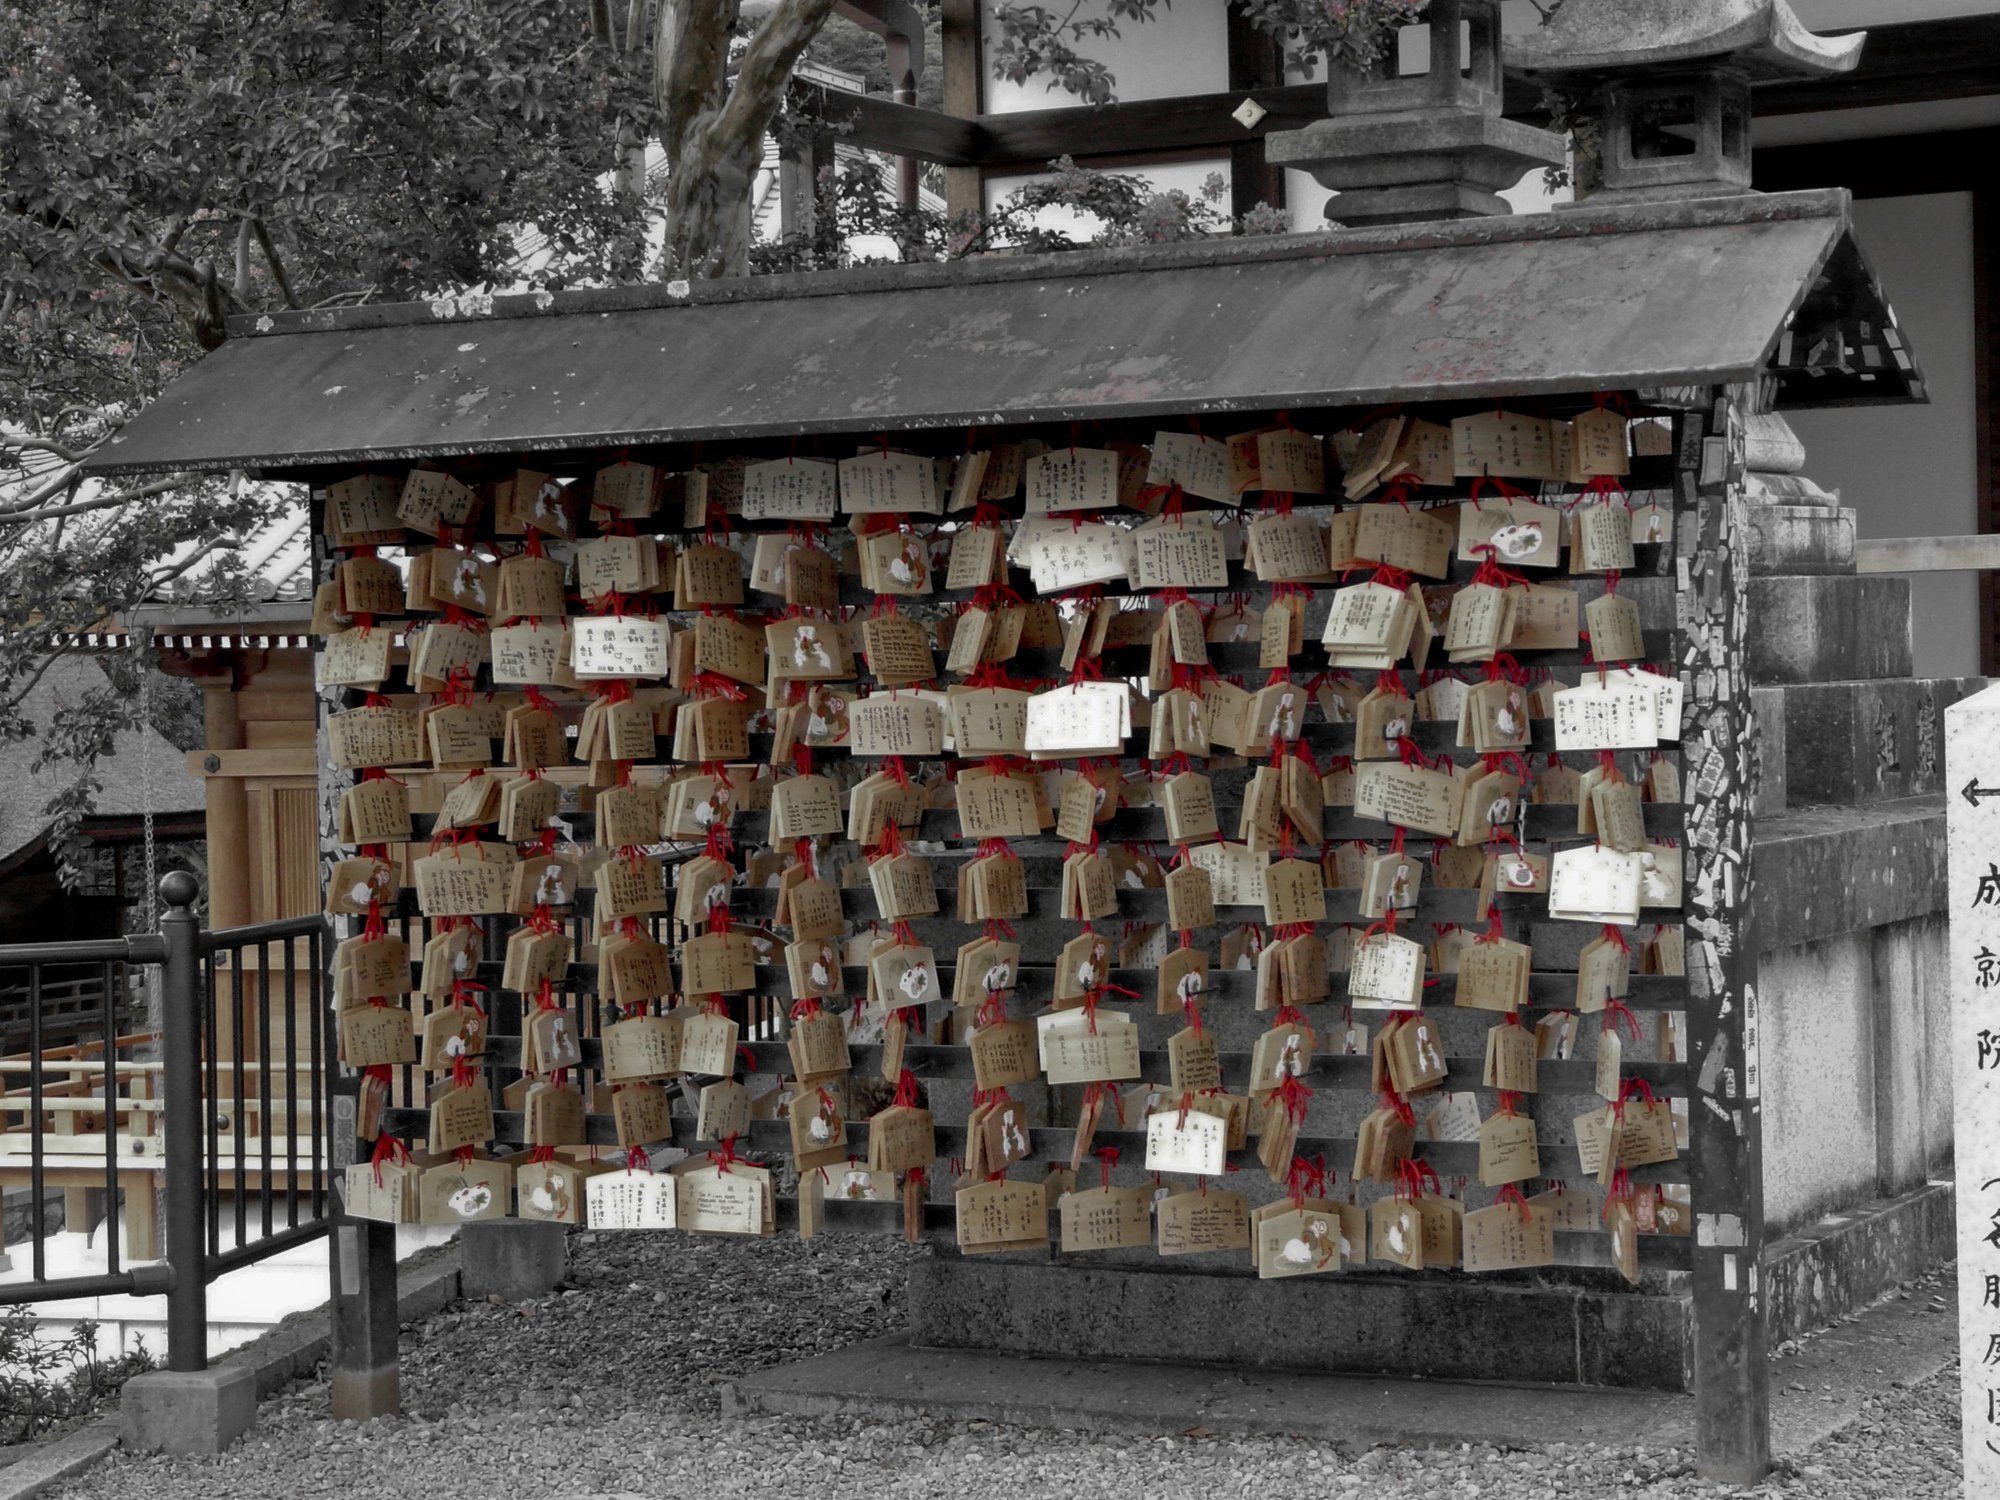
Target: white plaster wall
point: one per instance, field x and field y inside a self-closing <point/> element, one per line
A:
<point x="1911" y="470"/>
<point x="1817" y="1067"/>
<point x="1183" y="50"/>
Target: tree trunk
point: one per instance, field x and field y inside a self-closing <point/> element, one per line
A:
<point x="708" y="209"/>
<point x="713" y="128"/>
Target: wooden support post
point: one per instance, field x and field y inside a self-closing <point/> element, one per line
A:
<point x="1725" y="1120"/>
<point x="362" y="1261"/>
<point x="1255" y="62"/>
<point x="367" y="1380"/>
<point x="964" y="87"/>
<point x="1986" y="392"/>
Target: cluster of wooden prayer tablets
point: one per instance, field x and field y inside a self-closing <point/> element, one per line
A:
<point x="1259" y="846"/>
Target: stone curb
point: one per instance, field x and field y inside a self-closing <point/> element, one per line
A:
<point x="279" y="1357"/>
<point x="57" y="1461"/>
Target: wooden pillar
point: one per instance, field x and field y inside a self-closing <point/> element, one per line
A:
<point x="227" y="807"/>
<point x="1986" y="386"/>
<point x="367" y="1380"/>
<point x="1256" y="61"/>
<point x="363" y="1319"/>
<point x="1725" y="1108"/>
<point x="964" y="91"/>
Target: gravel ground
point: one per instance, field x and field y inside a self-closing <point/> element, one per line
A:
<point x="609" y="1392"/>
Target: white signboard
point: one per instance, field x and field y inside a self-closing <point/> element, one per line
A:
<point x="1972" y="776"/>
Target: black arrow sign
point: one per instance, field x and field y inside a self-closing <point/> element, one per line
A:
<point x="1974" y="791"/>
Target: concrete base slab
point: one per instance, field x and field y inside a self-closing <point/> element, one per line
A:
<point x="889" y="1378"/>
<point x="1814" y="1392"/>
<point x="187" y="1411"/>
<point x="1361" y="1323"/>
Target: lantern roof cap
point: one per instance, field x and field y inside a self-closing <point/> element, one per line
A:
<point x="1603" y="36"/>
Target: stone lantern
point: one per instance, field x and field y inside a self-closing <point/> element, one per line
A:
<point x="1673" y="79"/>
<point x="1430" y="146"/>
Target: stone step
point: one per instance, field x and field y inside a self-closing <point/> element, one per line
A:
<point x="1839" y="1265"/>
<point x="1823" y="871"/>
<point x="1828" y="628"/>
<point x="1438" y="1327"/>
<point x="1803" y="627"/>
<point x="1769" y="794"/>
<point x="1799" y="539"/>
<point x="1846" y="743"/>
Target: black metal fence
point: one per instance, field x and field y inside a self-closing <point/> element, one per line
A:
<point x="216" y="1112"/>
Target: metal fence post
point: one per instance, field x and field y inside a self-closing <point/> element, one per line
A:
<point x="180" y="1050"/>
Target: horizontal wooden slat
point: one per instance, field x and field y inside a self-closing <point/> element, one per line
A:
<point x="1035" y="984"/>
<point x="1049" y="1143"/>
<point x="294" y="760"/>
<point x="1927" y="554"/>
<point x="1558" y="1077"/>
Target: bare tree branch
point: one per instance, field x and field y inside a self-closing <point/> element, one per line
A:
<point x="61" y="481"/>
<point x="168" y="575"/>
<point x="242" y="282"/>
<point x="18" y="518"/>
<point x="55" y="653"/>
<point x="46" y="445"/>
<point x="766" y="65"/>
<point x="277" y="266"/>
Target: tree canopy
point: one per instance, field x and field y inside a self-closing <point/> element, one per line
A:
<point x="165" y="164"/>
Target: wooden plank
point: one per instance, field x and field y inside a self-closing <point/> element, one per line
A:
<point x="1927" y="554"/>
<point x="1927" y="60"/>
<point x="1986" y="390"/>
<point x="290" y="760"/>
<point x="1201" y="122"/>
<point x="900" y="129"/>
<point x="1256" y="61"/>
<point x="277" y="734"/>
<point x="964" y="88"/>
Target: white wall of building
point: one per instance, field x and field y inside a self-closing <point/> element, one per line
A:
<point x="1911" y="470"/>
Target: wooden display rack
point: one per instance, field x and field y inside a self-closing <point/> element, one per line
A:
<point x="1323" y="329"/>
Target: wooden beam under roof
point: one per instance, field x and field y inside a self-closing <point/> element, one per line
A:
<point x="1913" y="62"/>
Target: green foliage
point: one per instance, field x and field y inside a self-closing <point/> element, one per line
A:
<point x="165" y="164"/>
<point x="45" y="1381"/>
<point x="1573" y="116"/>
<point x="852" y="49"/>
<point x="1116" y="209"/>
<point x="1055" y="43"/>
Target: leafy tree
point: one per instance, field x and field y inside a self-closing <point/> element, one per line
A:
<point x="165" y="164"/>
